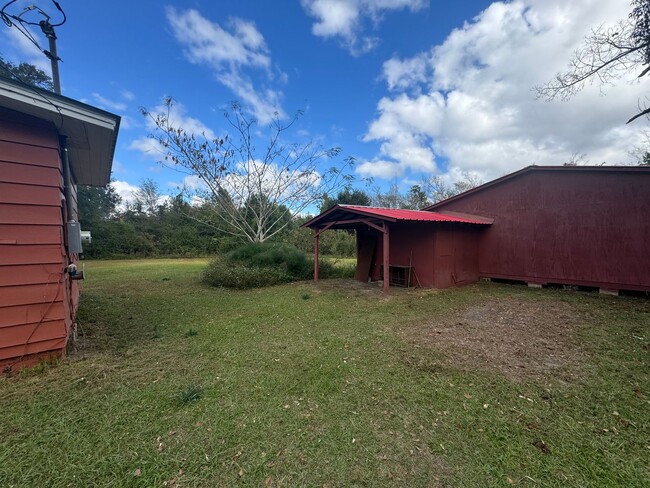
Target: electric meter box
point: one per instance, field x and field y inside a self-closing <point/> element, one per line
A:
<point x="86" y="238"/>
<point x="74" y="238"/>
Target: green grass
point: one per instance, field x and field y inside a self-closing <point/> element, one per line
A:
<point x="303" y="385"/>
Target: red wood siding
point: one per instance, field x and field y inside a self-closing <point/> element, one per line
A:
<point x="412" y="242"/>
<point x="36" y="299"/>
<point x="442" y="254"/>
<point x="583" y="227"/>
<point x="30" y="195"/>
<point x="28" y="294"/>
<point x="31" y="234"/>
<point x="455" y="256"/>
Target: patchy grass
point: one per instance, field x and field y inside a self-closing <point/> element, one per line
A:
<point x="337" y="389"/>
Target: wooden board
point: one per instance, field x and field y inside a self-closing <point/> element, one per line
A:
<point x="30" y="175"/>
<point x="29" y="274"/>
<point x="27" y="294"/>
<point x="30" y="214"/>
<point x="32" y="348"/>
<point x="14" y="152"/>
<point x="35" y="332"/>
<point x="30" y="194"/>
<point x="30" y="254"/>
<point x="31" y="234"/>
<point x="367" y="248"/>
<point x="25" y="314"/>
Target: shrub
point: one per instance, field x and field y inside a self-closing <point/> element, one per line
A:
<point x="267" y="264"/>
<point x="230" y="274"/>
<point x="273" y="255"/>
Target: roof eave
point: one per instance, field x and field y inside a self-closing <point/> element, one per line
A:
<point x="91" y="133"/>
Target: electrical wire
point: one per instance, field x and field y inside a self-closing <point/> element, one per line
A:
<point x="36" y="91"/>
<point x="21" y="24"/>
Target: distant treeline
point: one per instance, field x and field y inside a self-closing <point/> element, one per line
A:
<point x="177" y="228"/>
<point x="151" y="225"/>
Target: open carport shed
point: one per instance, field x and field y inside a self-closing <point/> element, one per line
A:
<point x="404" y="247"/>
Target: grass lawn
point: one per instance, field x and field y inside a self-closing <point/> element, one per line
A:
<point x="178" y="384"/>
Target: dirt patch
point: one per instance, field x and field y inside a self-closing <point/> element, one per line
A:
<point x="519" y="338"/>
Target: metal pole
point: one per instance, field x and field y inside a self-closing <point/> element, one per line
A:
<point x="316" y="236"/>
<point x="48" y="30"/>
<point x="386" y="251"/>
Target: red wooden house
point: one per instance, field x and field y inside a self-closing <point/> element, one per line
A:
<point x="573" y="225"/>
<point x="48" y="144"/>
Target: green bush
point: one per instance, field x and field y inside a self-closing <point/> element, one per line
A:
<point x="228" y="274"/>
<point x="273" y="255"/>
<point x="267" y="264"/>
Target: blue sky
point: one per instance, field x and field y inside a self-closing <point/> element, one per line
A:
<point x="410" y="88"/>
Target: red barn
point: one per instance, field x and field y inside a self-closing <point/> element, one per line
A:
<point x="48" y="144"/>
<point x="573" y="225"/>
<point x="407" y="247"/>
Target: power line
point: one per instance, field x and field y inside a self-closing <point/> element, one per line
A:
<point x="17" y="21"/>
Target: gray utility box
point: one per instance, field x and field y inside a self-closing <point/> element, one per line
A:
<point x="74" y="238"/>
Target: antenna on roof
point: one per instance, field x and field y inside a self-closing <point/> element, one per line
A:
<point x="46" y="27"/>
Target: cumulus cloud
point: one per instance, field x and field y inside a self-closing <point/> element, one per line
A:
<point x="468" y="105"/>
<point x="125" y="190"/>
<point x="344" y="19"/>
<point x="178" y="117"/>
<point x="232" y="52"/>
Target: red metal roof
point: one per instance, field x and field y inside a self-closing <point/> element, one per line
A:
<point x="337" y="212"/>
<point x="411" y="215"/>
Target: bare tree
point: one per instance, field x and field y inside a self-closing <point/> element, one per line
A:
<point x="607" y="54"/>
<point x="147" y="197"/>
<point x="254" y="193"/>
<point x="640" y="153"/>
<point x="430" y="190"/>
<point x="437" y="189"/>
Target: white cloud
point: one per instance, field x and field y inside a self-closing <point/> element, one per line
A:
<point x="127" y="95"/>
<point x="469" y="100"/>
<point x="230" y="53"/>
<point x="403" y="74"/>
<point x="178" y="117"/>
<point x="23" y="50"/>
<point x="125" y="190"/>
<point x="148" y="147"/>
<point x="119" y="168"/>
<point x="109" y="104"/>
<point x="344" y="19"/>
<point x="380" y="169"/>
<point x="127" y="122"/>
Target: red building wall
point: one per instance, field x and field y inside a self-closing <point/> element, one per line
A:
<point x="37" y="300"/>
<point x="442" y="254"/>
<point x="565" y="225"/>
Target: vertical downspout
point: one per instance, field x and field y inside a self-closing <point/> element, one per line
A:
<point x="67" y="181"/>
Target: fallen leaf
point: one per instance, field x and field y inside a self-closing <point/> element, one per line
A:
<point x="510" y="481"/>
<point x="541" y="445"/>
<point x="267" y="482"/>
<point x="467" y="395"/>
<point x="241" y="472"/>
<point x="137" y="472"/>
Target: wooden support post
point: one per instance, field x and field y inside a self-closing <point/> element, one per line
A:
<point x="386" y="251"/>
<point x="316" y="236"/>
